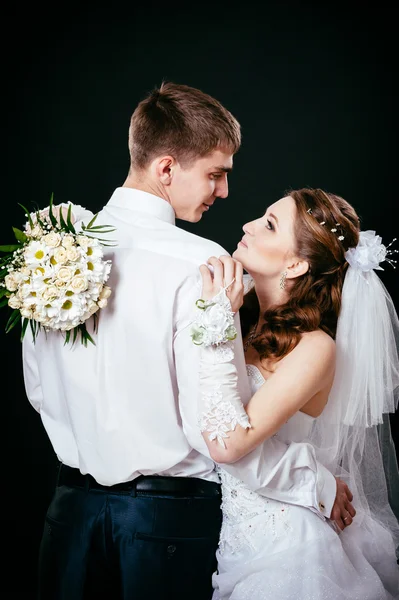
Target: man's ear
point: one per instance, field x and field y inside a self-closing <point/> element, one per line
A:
<point x="297" y="268"/>
<point x="163" y="168"/>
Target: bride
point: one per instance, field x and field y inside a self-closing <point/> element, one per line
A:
<point x="319" y="339"/>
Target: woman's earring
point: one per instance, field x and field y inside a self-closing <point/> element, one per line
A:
<point x="282" y="280"/>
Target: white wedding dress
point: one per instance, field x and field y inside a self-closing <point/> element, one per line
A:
<point x="269" y="550"/>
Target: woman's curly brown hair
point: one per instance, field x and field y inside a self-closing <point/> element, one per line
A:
<point x="315" y="297"/>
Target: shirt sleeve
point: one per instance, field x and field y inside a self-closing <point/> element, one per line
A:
<point x="288" y="473"/>
<point x="31" y="372"/>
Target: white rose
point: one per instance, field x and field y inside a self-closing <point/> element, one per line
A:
<point x="26" y="312"/>
<point x="39" y="316"/>
<point x="60" y="255"/>
<point x="52" y="239"/>
<point x="102" y="303"/>
<point x="83" y="241"/>
<point x="215" y="319"/>
<point x="50" y="292"/>
<point x="35" y="232"/>
<point x="105" y="292"/>
<point x="14" y="302"/>
<point x="78" y="284"/>
<point x="12" y="280"/>
<point x="59" y="283"/>
<point x="73" y="254"/>
<point x="68" y="240"/>
<point x="65" y="274"/>
<point x="25" y="272"/>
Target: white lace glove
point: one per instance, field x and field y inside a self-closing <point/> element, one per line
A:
<point x="220" y="407"/>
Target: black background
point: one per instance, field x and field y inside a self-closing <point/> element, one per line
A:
<point x="313" y="87"/>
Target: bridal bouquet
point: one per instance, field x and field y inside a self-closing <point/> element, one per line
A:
<point x="54" y="277"/>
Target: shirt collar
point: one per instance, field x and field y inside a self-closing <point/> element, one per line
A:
<point x="144" y="202"/>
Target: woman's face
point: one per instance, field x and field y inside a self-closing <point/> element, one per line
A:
<point x="269" y="242"/>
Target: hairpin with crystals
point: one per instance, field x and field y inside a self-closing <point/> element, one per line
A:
<point x="333" y="230"/>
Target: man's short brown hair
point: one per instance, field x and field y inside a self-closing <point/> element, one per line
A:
<point x="181" y="121"/>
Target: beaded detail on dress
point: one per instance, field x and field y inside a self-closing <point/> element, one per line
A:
<point x="240" y="507"/>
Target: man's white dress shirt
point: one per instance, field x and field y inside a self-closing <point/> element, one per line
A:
<point x="128" y="405"/>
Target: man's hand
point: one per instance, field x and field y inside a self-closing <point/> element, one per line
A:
<point x="342" y="511"/>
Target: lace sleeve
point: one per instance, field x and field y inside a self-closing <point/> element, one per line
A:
<point x="220" y="407"/>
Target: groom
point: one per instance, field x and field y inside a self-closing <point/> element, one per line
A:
<point x="136" y="509"/>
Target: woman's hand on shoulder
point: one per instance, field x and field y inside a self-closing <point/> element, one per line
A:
<point x="227" y="273"/>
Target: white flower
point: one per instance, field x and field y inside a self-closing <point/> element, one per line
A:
<point x="91" y="308"/>
<point x="26" y="312"/>
<point x="35" y="253"/>
<point x="68" y="240"/>
<point x="60" y="283"/>
<point x="65" y="274"/>
<point x="50" y="293"/>
<point x="52" y="239"/>
<point x="78" y="284"/>
<point x="94" y="250"/>
<point x="25" y="290"/>
<point x="25" y="272"/>
<point x="59" y="256"/>
<point x="73" y="254"/>
<point x="14" y="302"/>
<point x="12" y="281"/>
<point x="98" y="271"/>
<point x="69" y="309"/>
<point x="215" y="319"/>
<point x="37" y="283"/>
<point x="214" y="324"/>
<point x="83" y="241"/>
<point x="35" y="232"/>
<point x="105" y="292"/>
<point x="368" y="254"/>
<point x="44" y="271"/>
<point x="102" y="303"/>
<point x="30" y="299"/>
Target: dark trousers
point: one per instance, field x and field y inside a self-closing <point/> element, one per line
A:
<point x="122" y="543"/>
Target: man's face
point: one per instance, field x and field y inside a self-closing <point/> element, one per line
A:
<point x="194" y="189"/>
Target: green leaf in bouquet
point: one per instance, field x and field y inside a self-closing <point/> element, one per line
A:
<point x="69" y="220"/>
<point x="13" y="320"/>
<point x="67" y="337"/>
<point x="95" y="322"/>
<point x="28" y="215"/>
<point x="99" y="227"/>
<point x="10" y="248"/>
<point x="86" y="336"/>
<point x="94" y="237"/>
<point x="91" y="222"/>
<point x="51" y="214"/>
<point x="3" y="292"/>
<point x="39" y="220"/>
<point x="3" y="273"/>
<point x="20" y="235"/>
<point x="3" y="302"/>
<point x="34" y="327"/>
<point x="64" y="225"/>
<point x="25" y="323"/>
